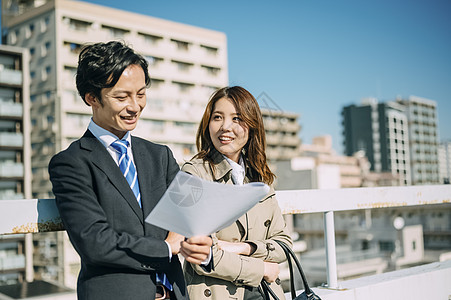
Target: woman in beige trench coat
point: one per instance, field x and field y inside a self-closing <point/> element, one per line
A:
<point x="231" y="141"/>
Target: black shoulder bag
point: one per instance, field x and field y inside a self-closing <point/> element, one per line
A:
<point x="308" y="294"/>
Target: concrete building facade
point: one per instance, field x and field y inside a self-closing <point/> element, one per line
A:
<point x="380" y="130"/>
<point x="15" y="165"/>
<point x="444" y="160"/>
<point x="423" y="139"/>
<point x="282" y="134"/>
<point x="282" y="130"/>
<point x="187" y="64"/>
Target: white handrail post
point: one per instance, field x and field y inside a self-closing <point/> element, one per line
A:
<point x="331" y="258"/>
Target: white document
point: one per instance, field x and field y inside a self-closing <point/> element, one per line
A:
<point x="193" y="206"/>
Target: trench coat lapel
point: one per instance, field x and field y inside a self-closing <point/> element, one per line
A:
<point x="103" y="161"/>
<point x="223" y="171"/>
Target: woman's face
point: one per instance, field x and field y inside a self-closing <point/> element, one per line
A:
<point x="227" y="132"/>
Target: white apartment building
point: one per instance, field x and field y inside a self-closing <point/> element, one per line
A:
<point x="281" y="128"/>
<point x="16" y="263"/>
<point x="187" y="64"/>
<point x="423" y="139"/>
<point x="282" y="134"/>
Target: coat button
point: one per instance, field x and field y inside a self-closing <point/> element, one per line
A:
<point x="207" y="293"/>
<point x="270" y="247"/>
<point x="267" y="223"/>
<point x="278" y="281"/>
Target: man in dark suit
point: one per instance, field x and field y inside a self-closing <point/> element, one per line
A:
<point x="108" y="181"/>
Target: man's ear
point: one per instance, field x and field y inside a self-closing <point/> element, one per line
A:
<point x="92" y="100"/>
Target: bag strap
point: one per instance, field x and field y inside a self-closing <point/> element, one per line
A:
<point x="288" y="253"/>
<point x="290" y="268"/>
<point x="290" y="256"/>
<point x="268" y="291"/>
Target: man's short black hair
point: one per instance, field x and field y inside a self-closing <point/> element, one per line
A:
<point x="100" y="65"/>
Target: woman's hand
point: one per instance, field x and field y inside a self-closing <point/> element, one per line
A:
<point x="237" y="248"/>
<point x="271" y="271"/>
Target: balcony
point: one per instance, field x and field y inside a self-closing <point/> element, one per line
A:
<point x="11" y="139"/>
<point x="429" y="281"/>
<point x="11" y="77"/>
<point x="12" y="262"/>
<point x="10" y="195"/>
<point x="10" y="109"/>
<point x="11" y="170"/>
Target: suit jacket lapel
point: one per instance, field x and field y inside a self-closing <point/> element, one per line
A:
<point x="144" y="169"/>
<point x="103" y="160"/>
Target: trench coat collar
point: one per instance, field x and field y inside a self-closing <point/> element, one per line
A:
<point x="223" y="170"/>
<point x="223" y="173"/>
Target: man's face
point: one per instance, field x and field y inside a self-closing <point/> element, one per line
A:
<point x="121" y="104"/>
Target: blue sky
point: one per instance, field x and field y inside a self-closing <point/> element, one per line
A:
<point x="313" y="57"/>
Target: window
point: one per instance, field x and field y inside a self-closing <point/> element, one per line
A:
<point x="182" y="66"/>
<point x="209" y="89"/>
<point x="77" y="25"/>
<point x="32" y="52"/>
<point x="211" y="70"/>
<point x="73" y="47"/>
<point x="115" y="32"/>
<point x="210" y="50"/>
<point x="45" y="49"/>
<point x="386" y="246"/>
<point x="46" y="73"/>
<point x="183" y="46"/>
<point x="153" y="60"/>
<point x="150" y="39"/>
<point x="13" y="37"/>
<point x="29" y="31"/>
<point x="183" y="86"/>
<point x="45" y="24"/>
<point x="32" y="74"/>
<point x="158" y="126"/>
<point x="156" y="83"/>
<point x="188" y="149"/>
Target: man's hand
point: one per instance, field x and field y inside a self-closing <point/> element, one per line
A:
<point x="196" y="249"/>
<point x="174" y="240"/>
<point x="271" y="271"/>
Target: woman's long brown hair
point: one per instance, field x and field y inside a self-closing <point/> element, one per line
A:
<point x="254" y="150"/>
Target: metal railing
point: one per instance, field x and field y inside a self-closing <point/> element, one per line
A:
<point x="41" y="215"/>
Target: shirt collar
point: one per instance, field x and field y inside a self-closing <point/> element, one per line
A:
<point x="104" y="136"/>
<point x="237" y="170"/>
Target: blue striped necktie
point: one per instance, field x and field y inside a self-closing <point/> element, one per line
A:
<point x="127" y="167"/>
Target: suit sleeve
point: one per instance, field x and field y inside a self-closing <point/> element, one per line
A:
<point x="80" y="196"/>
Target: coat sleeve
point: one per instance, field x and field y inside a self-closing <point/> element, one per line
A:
<point x="81" y="194"/>
<point x="239" y="269"/>
<point x="268" y="249"/>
